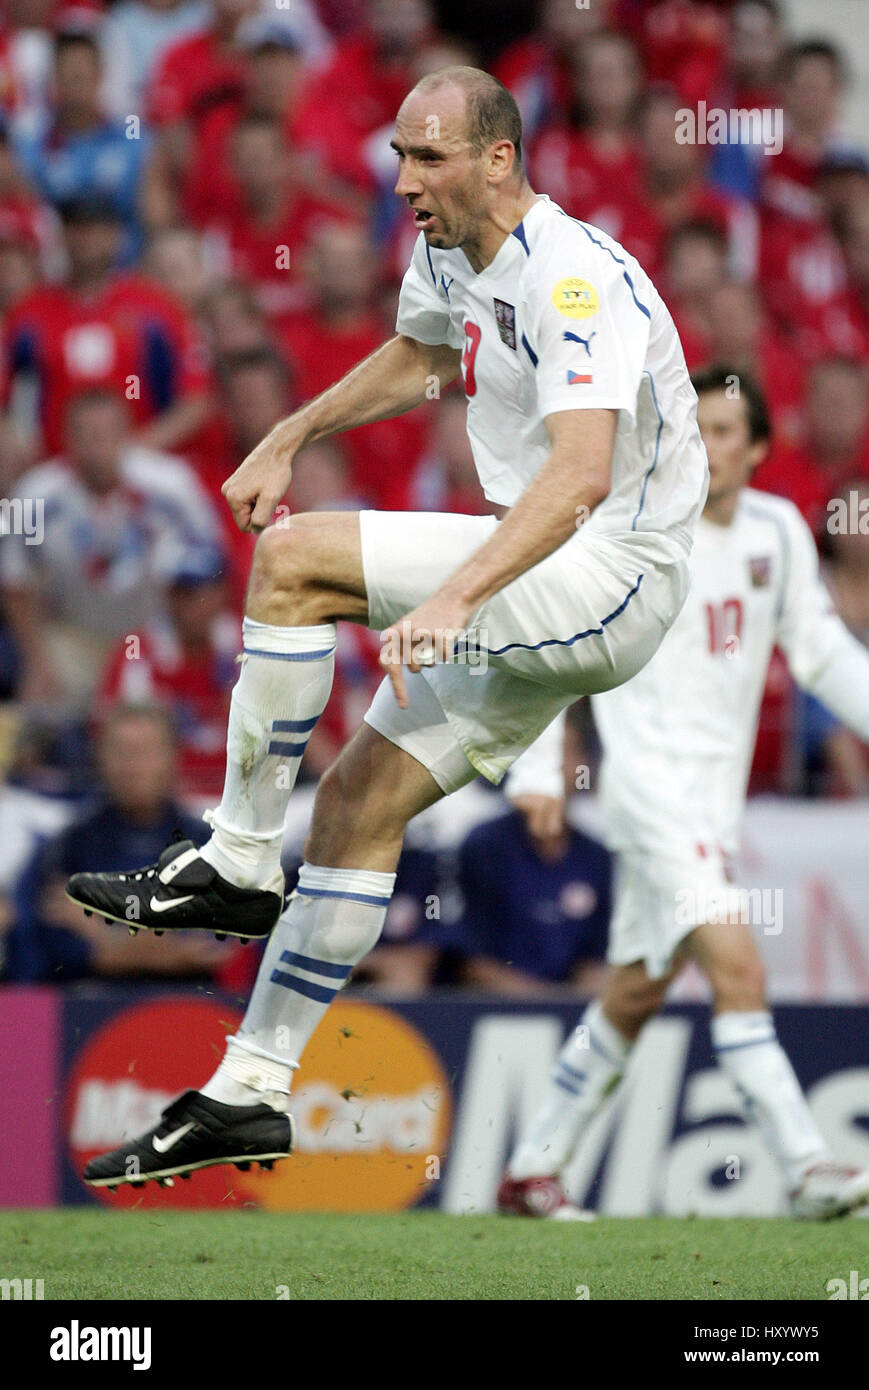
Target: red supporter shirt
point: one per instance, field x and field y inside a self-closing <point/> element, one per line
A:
<point x="270" y="257"/>
<point x="795" y="473"/>
<point x="568" y="164"/>
<point x="382" y="456"/>
<point x="195" y="688"/>
<point x="197" y="75"/>
<point x="341" y="105"/>
<point x="131" y="336"/>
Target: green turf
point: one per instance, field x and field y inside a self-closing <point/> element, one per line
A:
<point x="422" y="1255"/>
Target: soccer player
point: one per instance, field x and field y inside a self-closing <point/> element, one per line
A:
<point x="583" y="423"/>
<point x="678" y="742"/>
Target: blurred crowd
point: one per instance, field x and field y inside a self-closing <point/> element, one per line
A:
<point x="198" y="231"/>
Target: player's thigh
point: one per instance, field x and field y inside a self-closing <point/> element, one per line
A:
<point x="407" y="556"/>
<point x="728" y="954"/>
<point x="364" y="802"/>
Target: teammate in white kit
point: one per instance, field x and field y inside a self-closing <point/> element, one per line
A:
<point x="678" y="741"/>
<point x="582" y="419"/>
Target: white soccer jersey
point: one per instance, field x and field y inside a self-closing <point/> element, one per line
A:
<point x="564" y="319"/>
<point x="679" y="737"/>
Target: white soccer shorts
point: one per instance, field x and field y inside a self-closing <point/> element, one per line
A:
<point x="585" y="619"/>
<point x="661" y="897"/>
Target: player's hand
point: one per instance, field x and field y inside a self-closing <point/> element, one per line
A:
<point x="421" y="638"/>
<point x="545" y="820"/>
<point x="258" y="484"/>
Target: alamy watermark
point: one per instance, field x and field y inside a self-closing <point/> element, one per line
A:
<point x="756" y="907"/>
<point x="713" y="125"/>
<point x="23" y="516"/>
<point x="458" y="646"/>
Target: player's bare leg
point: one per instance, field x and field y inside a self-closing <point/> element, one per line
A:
<point x="590" y="1066"/>
<point x="749" y="1052"/>
<point x="305" y="576"/>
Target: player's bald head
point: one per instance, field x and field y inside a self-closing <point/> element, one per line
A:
<point x="490" y="110"/>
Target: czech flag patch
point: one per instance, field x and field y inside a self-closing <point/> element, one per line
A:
<point x="578" y="378"/>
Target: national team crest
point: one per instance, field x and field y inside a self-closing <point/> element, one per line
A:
<point x="505" y="315"/>
<point x="760" y="569"/>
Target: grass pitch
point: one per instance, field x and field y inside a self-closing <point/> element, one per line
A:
<point x="94" y="1254"/>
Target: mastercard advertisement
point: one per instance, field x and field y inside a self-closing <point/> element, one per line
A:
<point x="371" y="1101"/>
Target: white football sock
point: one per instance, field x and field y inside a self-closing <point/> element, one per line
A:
<point x="334" y="918"/>
<point x="589" y="1066"/>
<point x="285" y="681"/>
<point x="751" y="1055"/>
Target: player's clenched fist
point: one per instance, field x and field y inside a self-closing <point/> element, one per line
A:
<point x="258" y="484"/>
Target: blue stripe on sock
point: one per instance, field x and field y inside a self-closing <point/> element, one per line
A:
<point x="293" y="726"/>
<point x="320" y="993"/>
<point x="286" y="750"/>
<point x="602" y="1051"/>
<point x="565" y="1085"/>
<point x="754" y="1042"/>
<point x="321" y="967"/>
<point x="290" y="656"/>
<point x="571" y="1071"/>
<point x="368" y="898"/>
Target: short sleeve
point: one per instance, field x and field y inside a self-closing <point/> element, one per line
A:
<point x="591" y="333"/>
<point x="423" y="314"/>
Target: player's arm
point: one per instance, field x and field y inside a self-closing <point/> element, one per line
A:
<point x="389" y="382"/>
<point x="572" y="482"/>
<point x="823" y="656"/>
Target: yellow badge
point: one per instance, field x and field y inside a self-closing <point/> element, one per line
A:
<point x="575" y="298"/>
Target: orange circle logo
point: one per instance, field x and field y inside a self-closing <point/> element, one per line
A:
<point x="372" y="1108"/>
<point x="371" y="1103"/>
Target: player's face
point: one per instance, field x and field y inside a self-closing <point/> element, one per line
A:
<point x="442" y="179"/>
<point x="723" y="421"/>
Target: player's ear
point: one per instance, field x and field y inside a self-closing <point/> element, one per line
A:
<point x="502" y="161"/>
<point x="757" y="453"/>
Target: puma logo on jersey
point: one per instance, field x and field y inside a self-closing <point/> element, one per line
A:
<point x="575" y="338"/>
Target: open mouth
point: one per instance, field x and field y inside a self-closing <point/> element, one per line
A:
<point x="422" y="218"/>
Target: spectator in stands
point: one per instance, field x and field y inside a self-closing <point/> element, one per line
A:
<point x="675" y="189"/>
<point x="274" y="77"/>
<point x="749" y="83"/>
<point x="812" y="89"/>
<point x="136" y="34"/>
<point x="176" y="259"/>
<point x="695" y="264"/>
<point x="372" y="71"/>
<point x="107" y="519"/>
<point x="186" y="659"/>
<point x="740" y="331"/>
<point x="591" y="164"/>
<point x="538" y="69"/>
<point x="266" y="231"/>
<point x="52" y="940"/>
<point x="446" y="479"/>
<point x="853" y="225"/>
<point x="835" y="446"/>
<point x="342" y="326"/>
<point x="78" y="151"/>
<point x="536" y="900"/>
<point x="101" y="328"/>
<point x="25" y="816"/>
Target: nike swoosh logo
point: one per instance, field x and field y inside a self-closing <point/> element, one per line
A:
<point x="162" y="1145"/>
<point x="166" y="904"/>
